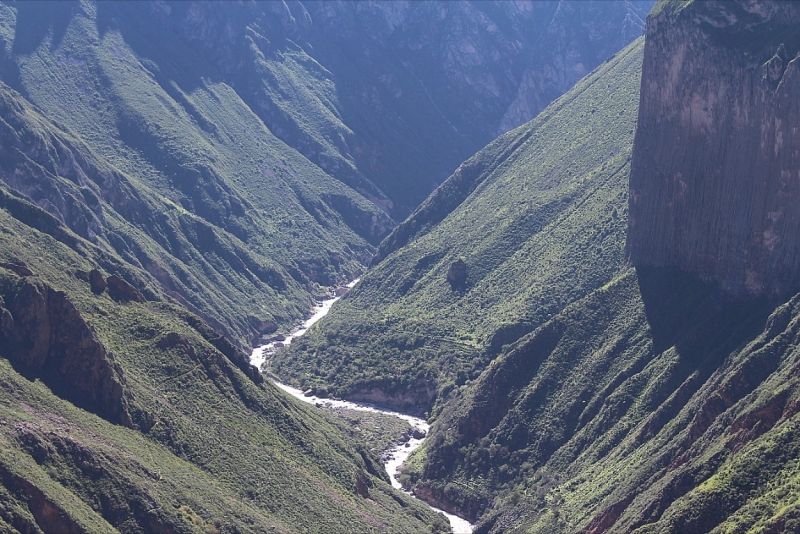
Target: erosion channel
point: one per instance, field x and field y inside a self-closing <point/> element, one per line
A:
<point x="395" y="457"/>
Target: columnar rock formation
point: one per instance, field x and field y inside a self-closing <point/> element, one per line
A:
<point x="715" y="176"/>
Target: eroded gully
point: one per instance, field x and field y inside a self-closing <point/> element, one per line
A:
<point x="394" y="457"/>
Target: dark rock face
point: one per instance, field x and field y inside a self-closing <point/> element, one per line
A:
<point x="18" y="268"/>
<point x="43" y="332"/>
<point x="715" y="185"/>
<point x="47" y="515"/>
<point x="122" y="291"/>
<point x="97" y="282"/>
<point x="457" y="274"/>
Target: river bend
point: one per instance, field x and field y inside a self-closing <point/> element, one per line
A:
<point x="396" y="456"/>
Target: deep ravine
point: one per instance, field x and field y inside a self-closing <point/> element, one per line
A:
<point x="394" y="457"/>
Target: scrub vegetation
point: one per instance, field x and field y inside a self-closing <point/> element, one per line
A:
<point x="539" y="219"/>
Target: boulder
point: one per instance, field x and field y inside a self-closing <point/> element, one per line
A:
<point x="418" y="433"/>
<point x="97" y="282"/>
<point x="457" y="274"/>
<point x="122" y="291"/>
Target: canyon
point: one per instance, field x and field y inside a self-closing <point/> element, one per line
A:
<point x="576" y="249"/>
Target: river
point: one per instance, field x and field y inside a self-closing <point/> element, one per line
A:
<point x="396" y="456"/>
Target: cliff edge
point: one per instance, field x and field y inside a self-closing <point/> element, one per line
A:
<point x="715" y="175"/>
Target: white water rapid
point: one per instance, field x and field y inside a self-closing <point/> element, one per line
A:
<point x="395" y="456"/>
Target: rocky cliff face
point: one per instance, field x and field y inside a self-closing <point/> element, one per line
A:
<point x="714" y="183"/>
<point x="43" y="332"/>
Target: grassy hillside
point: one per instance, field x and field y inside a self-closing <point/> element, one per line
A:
<point x="261" y="137"/>
<point x="176" y="182"/>
<point x="123" y="410"/>
<point x="222" y="214"/>
<point x="173" y="437"/>
<point x="538" y="217"/>
<point x="655" y="404"/>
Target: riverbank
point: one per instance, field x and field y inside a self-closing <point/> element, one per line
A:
<point x="393" y="457"/>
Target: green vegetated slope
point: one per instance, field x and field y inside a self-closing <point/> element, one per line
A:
<point x="123" y="411"/>
<point x="654" y="404"/>
<point x="439" y="80"/>
<point x="225" y="217"/>
<point x="177" y="440"/>
<point x="539" y="219"/>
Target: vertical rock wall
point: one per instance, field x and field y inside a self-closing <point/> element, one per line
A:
<point x="715" y="176"/>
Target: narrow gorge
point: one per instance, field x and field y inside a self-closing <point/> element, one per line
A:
<point x="577" y="245"/>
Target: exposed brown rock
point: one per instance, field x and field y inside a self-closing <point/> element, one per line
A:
<point x="414" y="399"/>
<point x="49" y="516"/>
<point x="361" y="485"/>
<point x="265" y="326"/>
<point x="97" y="281"/>
<point x="445" y="499"/>
<point x="457" y="274"/>
<point x="17" y="267"/>
<point x="607" y="518"/>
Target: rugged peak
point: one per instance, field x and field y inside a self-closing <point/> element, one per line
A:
<point x="714" y="183"/>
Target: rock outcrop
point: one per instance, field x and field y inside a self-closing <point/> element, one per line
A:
<point x="715" y="184"/>
<point x="457" y="274"/>
<point x="122" y="291"/>
<point x="43" y="333"/>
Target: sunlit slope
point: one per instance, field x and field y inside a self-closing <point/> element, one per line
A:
<point x="228" y="218"/>
<point x="124" y="407"/>
<point x="538" y="217"/>
<point x="122" y="411"/>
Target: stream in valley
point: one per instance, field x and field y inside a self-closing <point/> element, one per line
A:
<point x="394" y="457"/>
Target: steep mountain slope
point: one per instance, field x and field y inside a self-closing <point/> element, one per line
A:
<point x="659" y="402"/>
<point x="445" y="78"/>
<point x="178" y="180"/>
<point x="538" y="219"/>
<point x="388" y="97"/>
<point x="194" y="189"/>
<point x="122" y="411"/>
<point x="653" y="405"/>
<point x="264" y="138"/>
